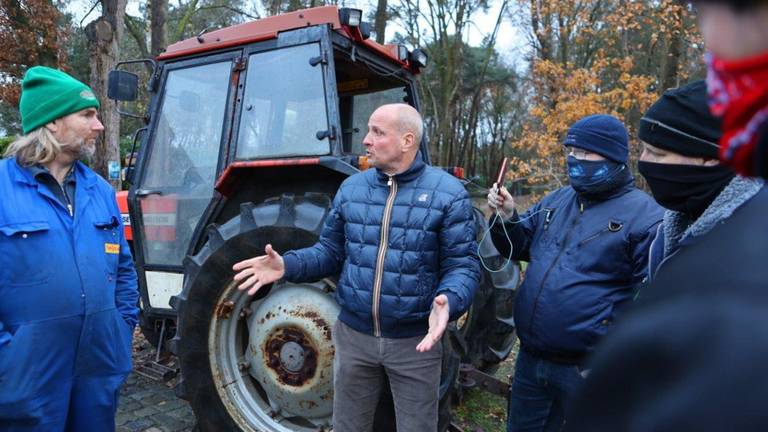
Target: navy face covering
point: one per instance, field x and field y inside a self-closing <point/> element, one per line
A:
<point x="596" y="177"/>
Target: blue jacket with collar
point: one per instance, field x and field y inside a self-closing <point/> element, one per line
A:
<point x="398" y="243"/>
<point x="586" y="261"/>
<point x="69" y="294"/>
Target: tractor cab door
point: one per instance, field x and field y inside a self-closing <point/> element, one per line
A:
<point x="177" y="171"/>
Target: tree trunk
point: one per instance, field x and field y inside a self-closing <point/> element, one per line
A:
<point x="671" y="63"/>
<point x="104" y="35"/>
<point x="158" y="25"/>
<point x="380" y="24"/>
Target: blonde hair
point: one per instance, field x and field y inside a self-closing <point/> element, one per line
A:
<point x="36" y="147"/>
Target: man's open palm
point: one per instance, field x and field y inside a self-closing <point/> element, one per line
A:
<point x="438" y="321"/>
<point x="259" y="271"/>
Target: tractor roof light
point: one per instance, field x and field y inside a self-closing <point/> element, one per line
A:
<point x="419" y="58"/>
<point x="350" y="17"/>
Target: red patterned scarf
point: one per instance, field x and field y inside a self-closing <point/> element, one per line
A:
<point x="738" y="92"/>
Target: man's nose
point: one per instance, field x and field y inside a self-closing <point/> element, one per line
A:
<point x="97" y="125"/>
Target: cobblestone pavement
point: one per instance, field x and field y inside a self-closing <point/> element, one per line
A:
<point x="147" y="405"/>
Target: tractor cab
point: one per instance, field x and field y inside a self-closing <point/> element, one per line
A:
<point x="232" y="107"/>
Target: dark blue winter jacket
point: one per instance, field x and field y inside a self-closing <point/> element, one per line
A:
<point x="68" y="298"/>
<point x="586" y="261"/>
<point x="398" y="243"/>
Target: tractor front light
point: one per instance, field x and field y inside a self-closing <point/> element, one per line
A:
<point x="419" y="58"/>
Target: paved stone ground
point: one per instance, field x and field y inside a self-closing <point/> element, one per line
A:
<point x="147" y="405"/>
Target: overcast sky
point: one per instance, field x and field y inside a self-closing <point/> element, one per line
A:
<point x="511" y="43"/>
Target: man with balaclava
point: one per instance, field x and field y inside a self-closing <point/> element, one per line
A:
<point x="679" y="163"/>
<point x="587" y="247"/>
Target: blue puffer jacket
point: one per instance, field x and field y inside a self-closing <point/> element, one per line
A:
<point x="587" y="260"/>
<point x="390" y="276"/>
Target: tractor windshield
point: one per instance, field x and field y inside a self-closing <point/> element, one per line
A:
<point x="283" y="105"/>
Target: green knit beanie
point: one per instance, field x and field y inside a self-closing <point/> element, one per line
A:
<point x="48" y="94"/>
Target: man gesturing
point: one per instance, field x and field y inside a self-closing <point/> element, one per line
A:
<point x="403" y="238"/>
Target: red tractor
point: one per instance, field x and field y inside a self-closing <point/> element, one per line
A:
<point x="249" y="132"/>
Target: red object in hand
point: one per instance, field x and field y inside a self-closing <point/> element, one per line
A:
<point x="502" y="172"/>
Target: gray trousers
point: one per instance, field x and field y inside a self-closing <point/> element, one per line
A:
<point x="359" y="369"/>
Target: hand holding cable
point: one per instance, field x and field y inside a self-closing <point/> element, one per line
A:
<point x="503" y="205"/>
<point x="500" y="200"/>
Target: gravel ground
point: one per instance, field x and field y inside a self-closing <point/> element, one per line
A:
<point x="147" y="405"/>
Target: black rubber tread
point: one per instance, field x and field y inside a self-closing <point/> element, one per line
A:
<point x="287" y="222"/>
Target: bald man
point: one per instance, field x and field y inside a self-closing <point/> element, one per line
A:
<point x="403" y="238"/>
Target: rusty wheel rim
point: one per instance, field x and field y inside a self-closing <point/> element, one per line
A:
<point x="272" y="358"/>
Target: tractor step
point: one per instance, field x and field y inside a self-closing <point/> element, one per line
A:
<point x="469" y="377"/>
<point x="156" y="371"/>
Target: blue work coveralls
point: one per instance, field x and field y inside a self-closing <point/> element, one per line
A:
<point x="68" y="304"/>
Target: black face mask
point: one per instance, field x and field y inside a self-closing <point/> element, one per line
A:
<point x="688" y="189"/>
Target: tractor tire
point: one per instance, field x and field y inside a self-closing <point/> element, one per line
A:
<point x="237" y="353"/>
<point x="488" y="329"/>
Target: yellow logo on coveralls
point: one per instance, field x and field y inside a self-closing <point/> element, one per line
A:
<point x="112" y="248"/>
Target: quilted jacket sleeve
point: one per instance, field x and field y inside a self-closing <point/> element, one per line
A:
<point x="459" y="265"/>
<point x="324" y="258"/>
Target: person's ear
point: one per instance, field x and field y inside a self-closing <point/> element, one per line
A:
<point x="52" y="126"/>
<point x="409" y="141"/>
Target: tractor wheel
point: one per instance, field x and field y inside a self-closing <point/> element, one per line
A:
<point x="261" y="363"/>
<point x="488" y="329"/>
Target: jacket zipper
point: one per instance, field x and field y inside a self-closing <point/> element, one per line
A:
<point x="69" y="202"/>
<point x="382" y="254"/>
<point x="593" y="236"/>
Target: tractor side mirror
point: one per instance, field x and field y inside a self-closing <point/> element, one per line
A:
<point x="122" y="86"/>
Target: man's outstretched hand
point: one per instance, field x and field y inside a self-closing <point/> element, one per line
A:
<point x="260" y="271"/>
<point x="438" y="321"/>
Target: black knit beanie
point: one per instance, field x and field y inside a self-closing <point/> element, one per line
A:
<point x="680" y="121"/>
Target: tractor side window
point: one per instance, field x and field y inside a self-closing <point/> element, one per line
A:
<point x="357" y="109"/>
<point x="181" y="169"/>
<point x="283" y="105"/>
